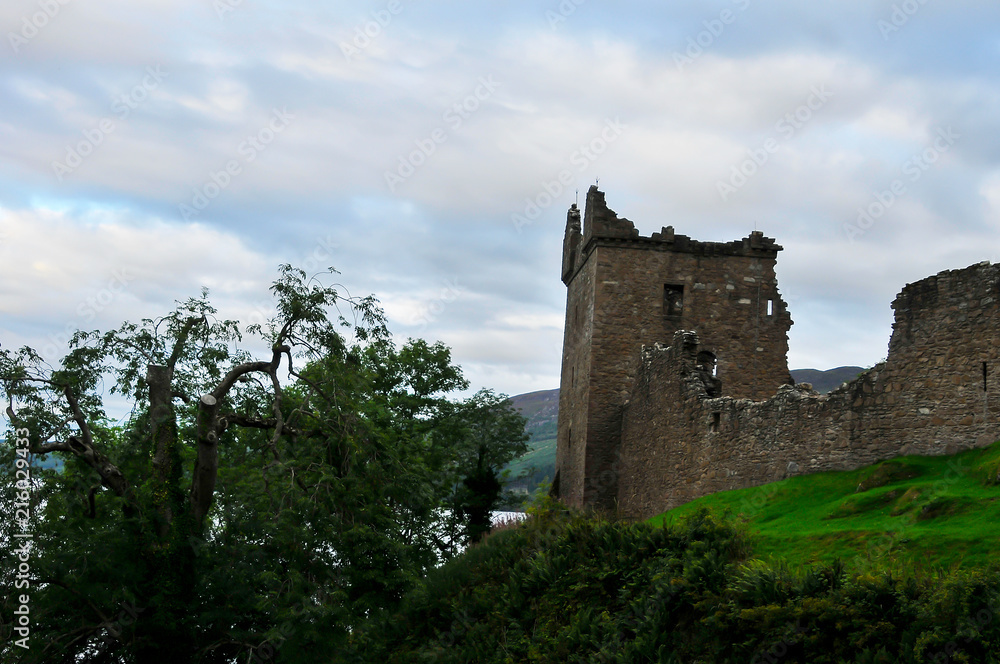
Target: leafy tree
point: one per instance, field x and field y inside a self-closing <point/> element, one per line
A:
<point x="493" y="434"/>
<point x="234" y="515"/>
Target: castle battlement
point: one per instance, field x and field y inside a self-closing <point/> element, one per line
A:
<point x="603" y="226"/>
<point x="663" y="401"/>
<point x="623" y="291"/>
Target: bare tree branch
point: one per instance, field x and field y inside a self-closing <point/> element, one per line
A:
<point x="278" y="417"/>
<point x="84" y="448"/>
<point x="235" y="419"/>
<point x="209" y="425"/>
<point x="248" y="422"/>
<point x="46" y="448"/>
<point x="78" y="416"/>
<point x="236" y="372"/>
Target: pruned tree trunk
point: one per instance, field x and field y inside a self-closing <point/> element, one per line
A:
<point x="206" y="468"/>
<point x="166" y="456"/>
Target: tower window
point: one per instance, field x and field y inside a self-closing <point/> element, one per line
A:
<point x="673" y="301"/>
<point x="708" y="363"/>
<point x="713" y="426"/>
<point x="770" y="307"/>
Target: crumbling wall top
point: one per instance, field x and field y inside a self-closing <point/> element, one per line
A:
<point x="602" y="223"/>
<point x="920" y="305"/>
<point x="571" y="244"/>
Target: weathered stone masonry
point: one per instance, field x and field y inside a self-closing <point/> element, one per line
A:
<point x="934" y="394"/>
<point x="624" y="291"/>
<point x="675" y="381"/>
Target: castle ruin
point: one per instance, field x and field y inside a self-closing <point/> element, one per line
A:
<point x="675" y="381"/>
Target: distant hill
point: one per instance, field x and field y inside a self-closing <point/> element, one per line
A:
<point x="539" y="464"/>
<point x="542" y="410"/>
<point x="824" y="381"/>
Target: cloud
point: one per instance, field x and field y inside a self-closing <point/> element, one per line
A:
<point x="318" y="193"/>
<point x="66" y="269"/>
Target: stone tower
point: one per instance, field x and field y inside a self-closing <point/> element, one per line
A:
<point x="625" y="291"/>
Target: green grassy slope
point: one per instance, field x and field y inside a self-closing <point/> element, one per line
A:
<point x="921" y="511"/>
<point x="541" y="457"/>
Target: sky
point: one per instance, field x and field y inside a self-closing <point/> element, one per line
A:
<point x="429" y="152"/>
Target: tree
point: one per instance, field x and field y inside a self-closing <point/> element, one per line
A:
<point x="492" y="434"/>
<point x="232" y="515"/>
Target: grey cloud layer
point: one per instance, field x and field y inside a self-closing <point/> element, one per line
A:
<point x="439" y="246"/>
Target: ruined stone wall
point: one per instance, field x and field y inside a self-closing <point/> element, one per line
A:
<point x="574" y="388"/>
<point x="936" y="393"/>
<point x="624" y="291"/>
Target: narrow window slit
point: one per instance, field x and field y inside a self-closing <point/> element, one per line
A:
<point x="673" y="301"/>
<point x="716" y="421"/>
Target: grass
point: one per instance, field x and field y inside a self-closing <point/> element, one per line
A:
<point x="541" y="456"/>
<point x="922" y="512"/>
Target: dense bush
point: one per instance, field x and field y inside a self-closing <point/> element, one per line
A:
<point x="564" y="587"/>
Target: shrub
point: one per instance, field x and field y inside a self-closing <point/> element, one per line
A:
<point x="568" y="587"/>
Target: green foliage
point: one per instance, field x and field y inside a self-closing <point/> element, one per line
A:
<point x="493" y="434"/>
<point x="555" y="588"/>
<point x="235" y="515"/>
<point x="564" y="587"/>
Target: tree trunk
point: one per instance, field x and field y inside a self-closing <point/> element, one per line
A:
<point x="164" y="631"/>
